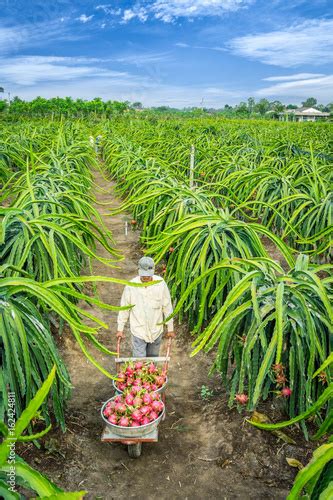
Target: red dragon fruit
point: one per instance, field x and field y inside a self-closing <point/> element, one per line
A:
<point x="154" y="396"/>
<point x="286" y="392"/>
<point x="157" y="406"/>
<point x="152" y="368"/>
<point x="160" y="380"/>
<point x="137" y="401"/>
<point x="145" y="410"/>
<point x="113" y="419"/>
<point x="145" y="421"/>
<point x="137" y="415"/>
<point x="120" y="408"/>
<point x="147" y="399"/>
<point x="124" y="422"/>
<point x="153" y="415"/>
<point x="135" y="390"/>
<point x="242" y="399"/>
<point x="129" y="399"/>
<point x="129" y="372"/>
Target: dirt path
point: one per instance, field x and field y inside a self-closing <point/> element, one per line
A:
<point x="204" y="449"/>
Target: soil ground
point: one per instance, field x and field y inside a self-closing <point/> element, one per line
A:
<point x="204" y="451"/>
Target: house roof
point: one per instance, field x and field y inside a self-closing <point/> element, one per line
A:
<point x="307" y="112"/>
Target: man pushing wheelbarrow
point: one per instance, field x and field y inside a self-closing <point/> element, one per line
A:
<point x="151" y="304"/>
<point x="132" y="416"/>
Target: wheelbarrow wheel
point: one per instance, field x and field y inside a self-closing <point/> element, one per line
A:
<point x="134" y="450"/>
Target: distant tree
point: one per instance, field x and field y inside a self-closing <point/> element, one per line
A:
<point x="277" y="106"/>
<point x="66" y="106"/>
<point x="291" y="106"/>
<point x="39" y="105"/>
<point x="162" y="109"/>
<point x="18" y="105"/>
<point x="97" y="105"/>
<point x="329" y="107"/>
<point x="195" y="111"/>
<point x="309" y="103"/>
<point x="250" y="104"/>
<point x="3" y="105"/>
<point x="262" y="106"/>
<point x="137" y="105"/>
<point x="116" y="107"/>
<point x="242" y="109"/>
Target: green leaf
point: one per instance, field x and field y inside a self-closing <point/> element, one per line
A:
<point x="36" y="481"/>
<point x="321" y="457"/>
<point x="327" y="494"/>
<point x="78" y="495"/>
<point x="7" y="494"/>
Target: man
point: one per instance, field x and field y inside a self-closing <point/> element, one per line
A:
<point x="150" y="305"/>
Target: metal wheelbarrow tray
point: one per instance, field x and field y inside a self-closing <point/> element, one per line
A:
<point x="132" y="436"/>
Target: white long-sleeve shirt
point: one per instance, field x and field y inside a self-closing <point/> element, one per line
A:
<point x="150" y="305"/>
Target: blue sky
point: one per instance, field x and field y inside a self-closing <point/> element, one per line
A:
<point x="178" y="52"/>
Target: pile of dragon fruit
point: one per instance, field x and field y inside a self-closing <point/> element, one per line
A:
<point x="134" y="408"/>
<point x="140" y="375"/>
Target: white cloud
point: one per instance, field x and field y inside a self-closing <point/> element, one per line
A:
<point x="297" y="76"/>
<point x="82" y="77"/>
<point x="168" y="10"/>
<point x="31" y="70"/>
<point x="318" y="86"/>
<point x="309" y="42"/>
<point x="138" y="12"/>
<point x="130" y="88"/>
<point x="107" y="9"/>
<point x="84" y="19"/>
<point x="128" y="15"/>
<point x="141" y="59"/>
<point x="29" y="76"/>
<point x="11" y="38"/>
<point x="202" y="47"/>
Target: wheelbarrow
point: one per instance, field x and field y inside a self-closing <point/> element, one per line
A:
<point x="133" y="437"/>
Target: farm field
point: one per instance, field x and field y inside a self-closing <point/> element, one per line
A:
<point x="238" y="216"/>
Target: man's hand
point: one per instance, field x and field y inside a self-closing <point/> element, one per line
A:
<point x="170" y="335"/>
<point x="120" y="335"/>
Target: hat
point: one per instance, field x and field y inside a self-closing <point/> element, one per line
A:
<point x="146" y="266"/>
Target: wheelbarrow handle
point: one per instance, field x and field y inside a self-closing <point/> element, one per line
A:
<point x="166" y="364"/>
<point x="118" y="346"/>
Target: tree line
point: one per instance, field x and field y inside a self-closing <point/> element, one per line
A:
<point x="58" y="106"/>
